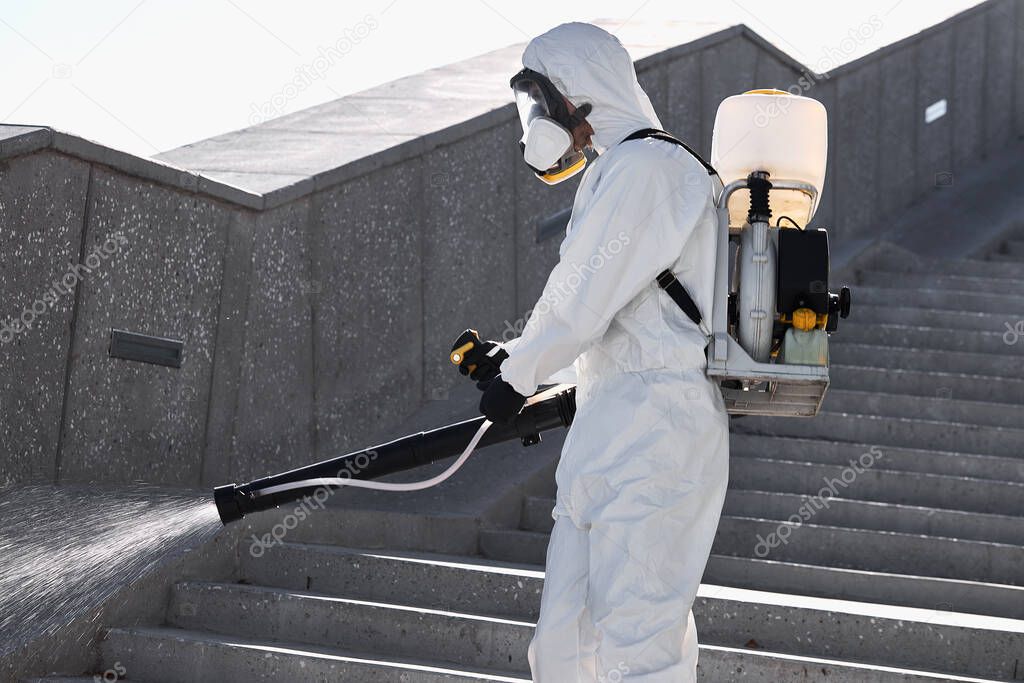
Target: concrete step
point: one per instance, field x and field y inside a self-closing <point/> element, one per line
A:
<point x="726" y="616"/>
<point x="462" y="584"/>
<point x="869" y="550"/>
<point x="902" y="432"/>
<point x="807" y="543"/>
<point x="985" y="647"/>
<point x="881" y="485"/>
<point x="963" y="283"/>
<point x="368" y="527"/>
<point x="860" y="514"/>
<point x="923" y="359"/>
<point x="943" y="299"/>
<point x="717" y="664"/>
<point x="1006" y="258"/>
<point x="839" y="400"/>
<point x="170" y="655"/>
<point x="1012" y="248"/>
<point x="983" y="268"/>
<point x="433" y="581"/>
<point x="514" y="545"/>
<point x="536" y="515"/>
<point x="459" y="639"/>
<point x="895" y="313"/>
<point x="908" y="337"/>
<point x="771" y="489"/>
<point x="976" y="267"/>
<point x="980" y="646"/>
<point x="186" y="657"/>
<point x="884" y="588"/>
<point x="940" y="385"/>
<point x="900" y="459"/>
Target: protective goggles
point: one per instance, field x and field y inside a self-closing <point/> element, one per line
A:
<point x="547" y="142"/>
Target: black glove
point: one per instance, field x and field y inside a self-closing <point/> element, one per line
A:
<point x="500" y="402"/>
<point x="481" y="360"/>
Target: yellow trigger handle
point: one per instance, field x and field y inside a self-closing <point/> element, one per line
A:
<point x="458" y="354"/>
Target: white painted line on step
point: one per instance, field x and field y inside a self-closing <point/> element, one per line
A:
<point x="868" y="609"/>
<point x="839" y="663"/>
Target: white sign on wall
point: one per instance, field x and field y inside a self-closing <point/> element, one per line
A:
<point x="935" y="111"/>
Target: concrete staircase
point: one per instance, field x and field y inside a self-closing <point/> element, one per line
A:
<point x="905" y="565"/>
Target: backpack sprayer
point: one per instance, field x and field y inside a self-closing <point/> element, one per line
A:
<point x="771" y="315"/>
<point x="772" y="308"/>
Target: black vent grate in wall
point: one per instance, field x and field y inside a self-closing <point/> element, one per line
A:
<point x="145" y="349"/>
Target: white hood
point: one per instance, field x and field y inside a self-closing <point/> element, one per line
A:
<point x="588" y="64"/>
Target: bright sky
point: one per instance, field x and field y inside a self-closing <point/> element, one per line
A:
<point x="150" y="75"/>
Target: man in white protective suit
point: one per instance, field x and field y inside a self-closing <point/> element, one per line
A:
<point x="643" y="472"/>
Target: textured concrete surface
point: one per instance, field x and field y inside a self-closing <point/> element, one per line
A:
<point x="125" y="420"/>
<point x="274" y="423"/>
<point x="42" y="201"/>
<point x="367" y="267"/>
<point x="934" y="82"/>
<point x="468" y="277"/>
<point x="684" y="114"/>
<point x="856" y="173"/>
<point x="535" y="202"/>
<point x="377" y="595"/>
<point x="968" y="102"/>
<point x="1018" y="17"/>
<point x="735" y="62"/>
<point x="18" y="140"/>
<point x="898" y="115"/>
<point x="827" y="215"/>
<point x="813" y="544"/>
<point x="1004" y="32"/>
<point x="226" y="377"/>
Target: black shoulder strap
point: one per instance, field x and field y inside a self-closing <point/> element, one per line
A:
<point x="666" y="137"/>
<point x="667" y="279"/>
<point x="674" y="288"/>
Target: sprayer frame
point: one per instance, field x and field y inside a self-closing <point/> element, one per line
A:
<point x="790" y="390"/>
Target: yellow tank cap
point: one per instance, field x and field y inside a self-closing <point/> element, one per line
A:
<point x="767" y="91"/>
<point x="804" y="319"/>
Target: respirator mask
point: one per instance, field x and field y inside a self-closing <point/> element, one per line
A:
<point x="547" y="141"/>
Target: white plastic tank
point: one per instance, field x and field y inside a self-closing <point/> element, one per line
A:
<point x="774" y="131"/>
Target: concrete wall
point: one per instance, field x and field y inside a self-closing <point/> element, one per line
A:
<point x="316" y="318"/>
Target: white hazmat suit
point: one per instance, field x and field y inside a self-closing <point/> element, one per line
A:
<point x="644" y="468"/>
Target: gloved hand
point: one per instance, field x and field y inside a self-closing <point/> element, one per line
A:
<point x="481" y="360"/>
<point x="500" y="402"/>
